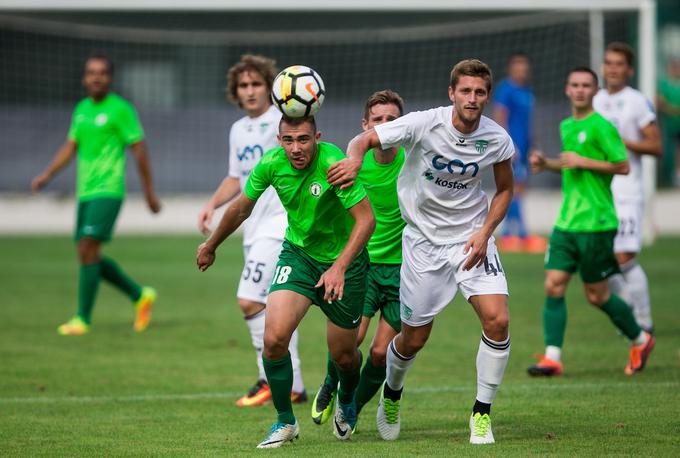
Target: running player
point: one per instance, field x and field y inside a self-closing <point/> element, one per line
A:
<point x="448" y="241"/>
<point x="103" y="125"/>
<point x="583" y="237"/>
<point x="323" y="262"/>
<point x="249" y="84"/>
<point x="379" y="177"/>
<point x="633" y="116"/>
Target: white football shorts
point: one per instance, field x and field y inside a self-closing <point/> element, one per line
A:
<point x="432" y="274"/>
<point x="261" y="258"/>
<point x="629" y="236"/>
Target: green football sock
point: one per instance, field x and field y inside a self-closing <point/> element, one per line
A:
<point x="372" y="378"/>
<point x="331" y="373"/>
<point x="88" y="283"/>
<point x="112" y="273"/>
<point x="348" y="382"/>
<point x="622" y="317"/>
<point x="554" y="321"/>
<point x="280" y="378"/>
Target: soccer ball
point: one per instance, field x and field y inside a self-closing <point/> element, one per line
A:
<point x="298" y="91"/>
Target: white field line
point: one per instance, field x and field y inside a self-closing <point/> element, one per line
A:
<point x="534" y="387"/>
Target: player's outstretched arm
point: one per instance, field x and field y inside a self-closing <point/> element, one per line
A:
<point x="571" y="160"/>
<point x="233" y="217"/>
<point x="476" y="245"/>
<point x="333" y="280"/>
<point x="226" y="191"/>
<point x="60" y="160"/>
<point x="344" y="173"/>
<point x="141" y="154"/>
<point x="649" y="144"/>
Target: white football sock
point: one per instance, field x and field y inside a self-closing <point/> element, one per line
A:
<point x="397" y="366"/>
<point x="492" y="357"/>
<point x="638" y="290"/>
<point x="298" y="384"/>
<point x="256" y="327"/>
<point x="553" y="352"/>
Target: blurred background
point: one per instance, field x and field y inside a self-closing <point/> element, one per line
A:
<point x="171" y="62"/>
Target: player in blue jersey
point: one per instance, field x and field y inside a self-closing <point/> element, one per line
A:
<point x="513" y="110"/>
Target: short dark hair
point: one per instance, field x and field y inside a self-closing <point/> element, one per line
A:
<point x="584" y="69"/>
<point x="263" y="66"/>
<point x="519" y="55"/>
<point x="297" y="121"/>
<point x="385" y="97"/>
<point x="622" y="48"/>
<point x="472" y="67"/>
<point x="100" y="56"/>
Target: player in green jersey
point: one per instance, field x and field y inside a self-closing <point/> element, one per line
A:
<point x="103" y="125"/>
<point x="379" y="176"/>
<point x="583" y="237"/>
<point x="323" y="262"/>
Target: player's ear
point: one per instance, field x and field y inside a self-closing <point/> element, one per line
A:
<point x="317" y="135"/>
<point x="278" y="137"/>
<point x="451" y="92"/>
<point x="364" y="124"/>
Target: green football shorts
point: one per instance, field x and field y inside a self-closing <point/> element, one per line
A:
<point x="96" y="218"/>
<point x="383" y="293"/>
<point x="590" y="253"/>
<point x="299" y="272"/>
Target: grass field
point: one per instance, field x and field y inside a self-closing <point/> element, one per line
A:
<point x="171" y="391"/>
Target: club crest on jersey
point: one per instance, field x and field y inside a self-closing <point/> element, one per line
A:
<point x="582" y="136"/>
<point x="101" y="119"/>
<point x="315" y="189"/>
<point x="481" y="145"/>
<point x="427" y="174"/>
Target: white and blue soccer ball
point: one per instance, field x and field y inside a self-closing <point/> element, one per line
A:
<point x="298" y="91"/>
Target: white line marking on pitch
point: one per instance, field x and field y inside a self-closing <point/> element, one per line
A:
<point x="537" y="387"/>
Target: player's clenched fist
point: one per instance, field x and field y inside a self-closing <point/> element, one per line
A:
<point x="205" y="256"/>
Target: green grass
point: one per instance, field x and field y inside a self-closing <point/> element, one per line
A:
<point x="171" y="391"/>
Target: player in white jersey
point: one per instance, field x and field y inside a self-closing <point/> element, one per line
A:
<point x="448" y="243"/>
<point x="633" y="116"/>
<point x="249" y="85"/>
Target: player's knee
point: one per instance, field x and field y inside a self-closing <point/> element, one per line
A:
<point x="379" y="355"/>
<point x="597" y="298"/>
<point x="275" y="345"/>
<point x="250" y="308"/>
<point x="554" y="288"/>
<point x="345" y="360"/>
<point x="496" y="326"/>
<point x="88" y="251"/>
<point x="412" y="343"/>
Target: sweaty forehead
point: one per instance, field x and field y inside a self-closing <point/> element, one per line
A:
<point x="286" y="130"/>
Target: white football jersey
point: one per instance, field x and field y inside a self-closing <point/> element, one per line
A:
<point x="249" y="139"/>
<point x="439" y="187"/>
<point x="629" y="111"/>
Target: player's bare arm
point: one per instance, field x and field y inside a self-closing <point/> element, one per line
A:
<point x="61" y="160"/>
<point x="141" y="154"/>
<point x="344" y="173"/>
<point x="650" y="143"/>
<point x="233" y="217"/>
<point x="333" y="280"/>
<point x="539" y="163"/>
<point x="225" y="192"/>
<point x="572" y="160"/>
<point x="476" y="245"/>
